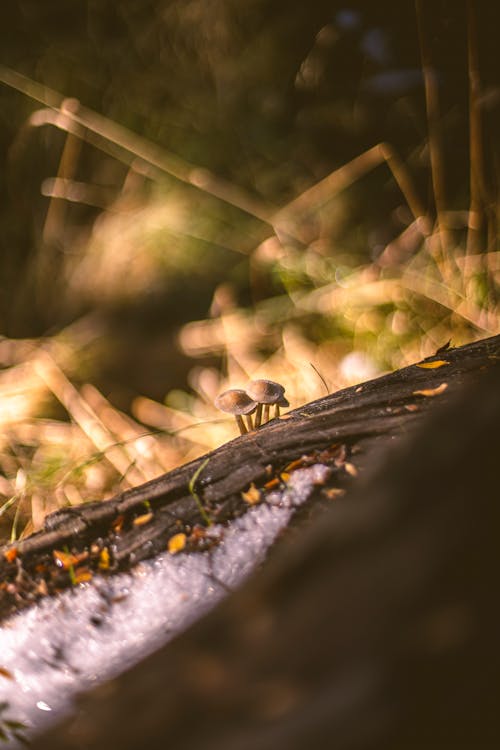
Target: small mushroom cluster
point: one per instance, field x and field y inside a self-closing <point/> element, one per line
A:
<point x="258" y="397"/>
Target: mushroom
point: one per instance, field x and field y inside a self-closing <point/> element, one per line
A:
<point x="266" y="393"/>
<point x="238" y="403"/>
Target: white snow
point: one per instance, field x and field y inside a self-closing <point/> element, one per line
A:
<point x="67" y="644"/>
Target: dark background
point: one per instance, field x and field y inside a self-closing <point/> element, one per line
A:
<point x="270" y="95"/>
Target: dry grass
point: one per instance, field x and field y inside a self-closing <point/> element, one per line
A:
<point x="337" y="323"/>
<point x="385" y="316"/>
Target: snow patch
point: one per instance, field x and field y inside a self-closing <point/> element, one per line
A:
<point x="69" y="643"/>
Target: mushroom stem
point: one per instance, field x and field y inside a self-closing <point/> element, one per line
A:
<point x="267" y="408"/>
<point x="248" y="417"/>
<point x="241" y="424"/>
<point x="276" y="411"/>
<point x="258" y="416"/>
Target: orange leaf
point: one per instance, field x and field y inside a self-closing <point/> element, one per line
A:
<point x="117" y="524"/>
<point x="65" y="560"/>
<point x="176" y="543"/>
<point x="272" y="484"/>
<point x="82" y="575"/>
<point x="10" y="554"/>
<point x="252" y="495"/>
<point x="431" y="391"/>
<point x="333" y="492"/>
<point x="432" y="365"/>
<point x="297" y="464"/>
<point x="5" y="673"/>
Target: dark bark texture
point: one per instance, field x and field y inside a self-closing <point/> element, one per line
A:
<point x="374" y="625"/>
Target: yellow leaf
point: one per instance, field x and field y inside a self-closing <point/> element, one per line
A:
<point x="104" y="559"/>
<point x="251" y="496"/>
<point x="141" y="520"/>
<point x="176" y="543"/>
<point x="433" y="365"/>
<point x="431" y="391"/>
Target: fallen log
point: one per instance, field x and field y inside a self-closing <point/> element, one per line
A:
<point x="356" y="418"/>
<point x="376" y="628"/>
<point x="347" y="634"/>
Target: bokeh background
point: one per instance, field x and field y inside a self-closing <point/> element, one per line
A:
<point x="194" y="193"/>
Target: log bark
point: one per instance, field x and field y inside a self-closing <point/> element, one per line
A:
<point x="374" y="625"/>
<point x="357" y="418"/>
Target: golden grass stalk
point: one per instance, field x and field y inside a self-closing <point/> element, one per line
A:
<point x="288" y="219"/>
<point x="441" y="234"/>
<point x="127" y="146"/>
<point x="85" y="417"/>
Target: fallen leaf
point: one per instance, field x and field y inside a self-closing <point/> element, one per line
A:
<point x="104" y="559"/>
<point x="411" y="407"/>
<point x="284" y="476"/>
<point x="333" y="492"/>
<point x="351" y="469"/>
<point x="5" y="673"/>
<point x="117" y="524"/>
<point x="10" y="554"/>
<point x="82" y="575"/>
<point x="272" y="484"/>
<point x="141" y="520"/>
<point x="252" y="496"/>
<point x="176" y="543"/>
<point x="433" y="365"/>
<point x="66" y="560"/>
<point x="431" y="391"/>
<point x="297" y="464"/>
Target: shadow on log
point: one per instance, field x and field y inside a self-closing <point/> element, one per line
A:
<point x="375" y="626"/>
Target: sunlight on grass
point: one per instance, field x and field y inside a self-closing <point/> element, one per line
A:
<point x="290" y="297"/>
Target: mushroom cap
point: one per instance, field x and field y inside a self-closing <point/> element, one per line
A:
<point x="235" y="401"/>
<point x="267" y="392"/>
